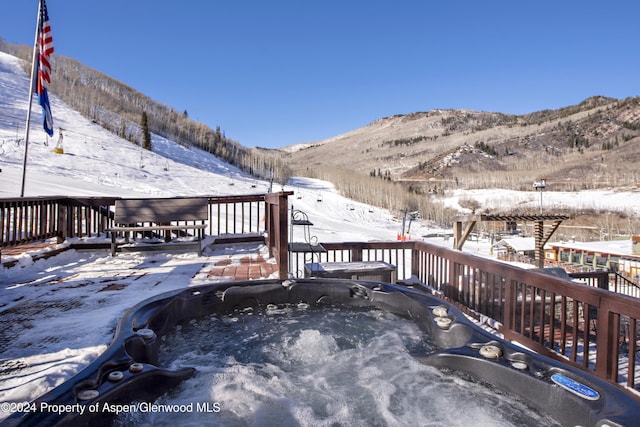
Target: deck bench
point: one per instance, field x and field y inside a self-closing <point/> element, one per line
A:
<point x="148" y="216"/>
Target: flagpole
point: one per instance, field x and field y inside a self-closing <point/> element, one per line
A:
<point x="33" y="69"/>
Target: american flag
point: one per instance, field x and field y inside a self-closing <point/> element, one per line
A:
<point x="45" y="48"/>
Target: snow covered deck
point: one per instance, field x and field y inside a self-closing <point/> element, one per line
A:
<point x="59" y="313"/>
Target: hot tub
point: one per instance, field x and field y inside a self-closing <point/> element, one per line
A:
<point x="129" y="370"/>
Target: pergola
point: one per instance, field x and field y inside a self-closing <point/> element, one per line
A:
<point x="460" y="232"/>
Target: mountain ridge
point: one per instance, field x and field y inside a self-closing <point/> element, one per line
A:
<point x="600" y="133"/>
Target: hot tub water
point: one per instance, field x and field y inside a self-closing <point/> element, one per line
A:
<point x="300" y="366"/>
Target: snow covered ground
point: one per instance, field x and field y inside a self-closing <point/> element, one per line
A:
<point x="597" y="200"/>
<point x="60" y="313"/>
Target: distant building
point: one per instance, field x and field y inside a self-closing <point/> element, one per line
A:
<point x="622" y="256"/>
<point x="517" y="245"/>
<point x="515" y="249"/>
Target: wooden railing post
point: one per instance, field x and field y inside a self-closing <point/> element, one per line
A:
<point x="277" y="220"/>
<point x="356" y="254"/>
<point x="63" y="222"/>
<point x="451" y="288"/>
<point x="508" y="310"/>
<point x="415" y="262"/>
<point x="606" y="338"/>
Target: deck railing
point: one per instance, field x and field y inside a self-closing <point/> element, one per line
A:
<point x="621" y="284"/>
<point x="28" y="219"/>
<point x="584" y="325"/>
<point x="34" y="219"/>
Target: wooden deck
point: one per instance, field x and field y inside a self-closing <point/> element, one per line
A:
<point x="39" y="250"/>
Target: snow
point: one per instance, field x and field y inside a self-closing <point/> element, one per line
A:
<point x="519" y="244"/>
<point x="60" y="313"/>
<point x="626" y="201"/>
<point x="613" y="247"/>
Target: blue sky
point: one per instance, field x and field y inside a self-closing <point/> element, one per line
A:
<point x="277" y="73"/>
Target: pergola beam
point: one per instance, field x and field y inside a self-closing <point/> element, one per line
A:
<point x="542" y="238"/>
<point x="459" y="236"/>
<point x="460" y="233"/>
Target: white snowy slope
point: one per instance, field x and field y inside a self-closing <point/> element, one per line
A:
<point x="95" y="162"/>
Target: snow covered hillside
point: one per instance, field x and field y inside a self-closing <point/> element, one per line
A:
<point x="95" y="162"/>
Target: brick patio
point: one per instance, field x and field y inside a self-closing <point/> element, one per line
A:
<point x="245" y="268"/>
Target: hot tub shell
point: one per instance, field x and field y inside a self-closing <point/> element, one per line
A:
<point x="128" y="370"/>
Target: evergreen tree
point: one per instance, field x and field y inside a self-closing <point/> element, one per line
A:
<point x="146" y="135"/>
